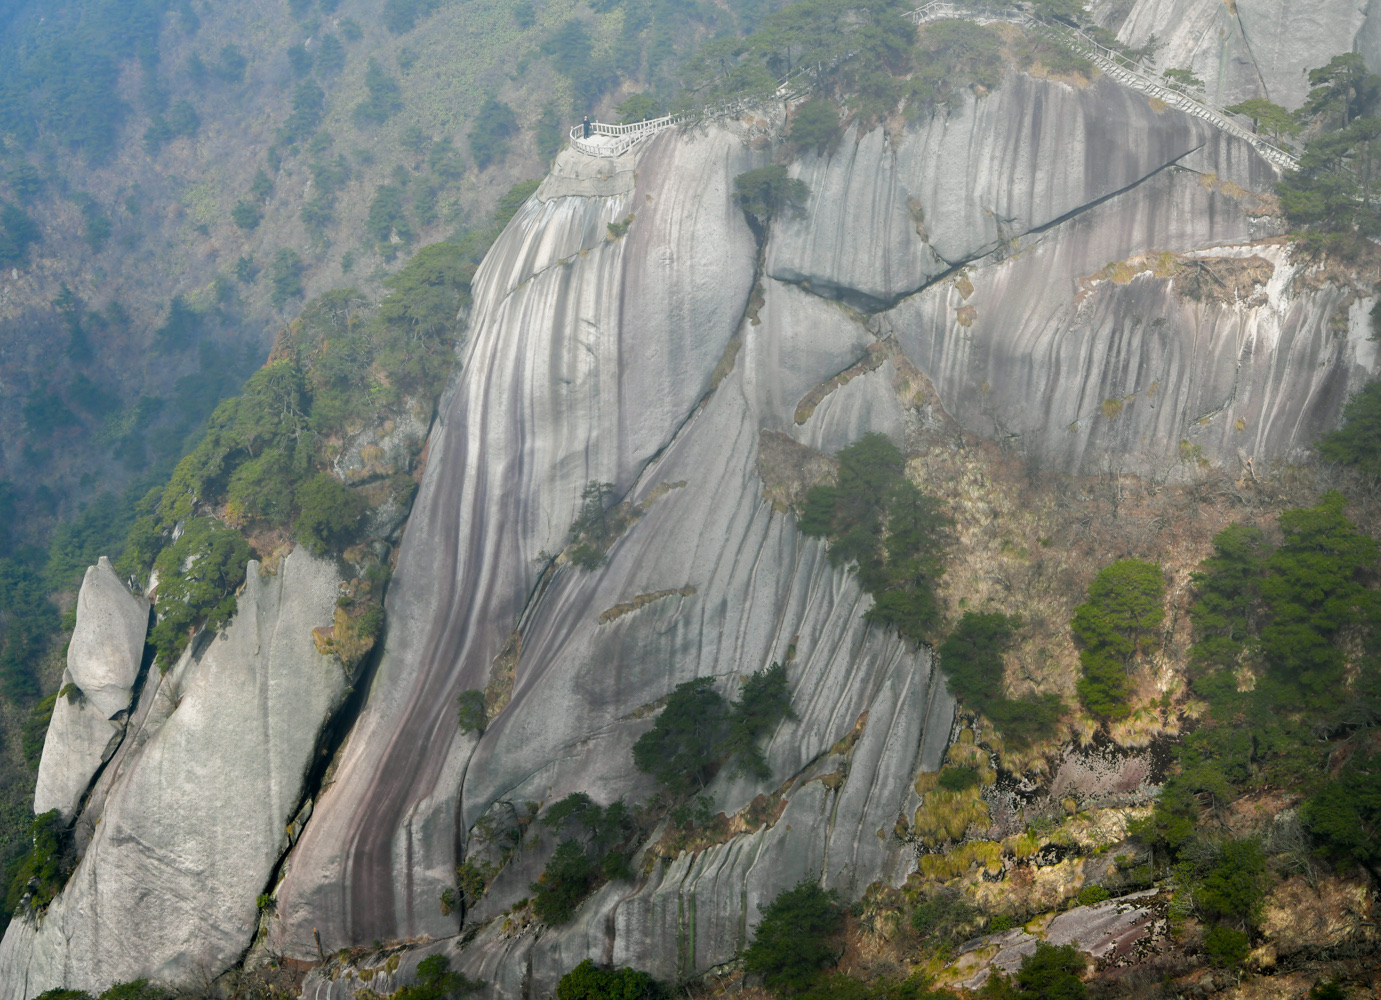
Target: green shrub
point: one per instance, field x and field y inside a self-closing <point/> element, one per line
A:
<point x="1327" y="989"/>
<point x="1358" y="441"/>
<point x="388" y="217"/>
<point x="768" y="191"/>
<point x="1125" y="607"/>
<point x="594" y="528"/>
<point x="18" y="232"/>
<point x="1314" y="590"/>
<point x="568" y="878"/>
<point x="999" y="924"/>
<point x="945" y="918"/>
<point x="683" y="746"/>
<point x="872" y="501"/>
<point x="815" y="123"/>
<point x="1228" y="882"/>
<point x="597" y="853"/>
<point x="1091" y="895"/>
<point x="971" y="658"/>
<point x="588" y="981"/>
<point x="400" y="16"/>
<point x="197" y="578"/>
<point x="435" y="981"/>
<point x="797" y="938"/>
<point x="1344" y="816"/>
<point x="950" y="59"/>
<point x="1052" y="973"/>
<point x="138" y="989"/>
<point x="957" y="779"/>
<point x="329" y="513"/>
<point x="698" y="732"/>
<point x="308" y="108"/>
<point x="46" y="868"/>
<point x="1227" y="945"/>
<point x="330" y="58"/>
<point x="286" y="278"/>
<point x="382" y="97"/>
<point x="639" y="108"/>
<point x="181" y="120"/>
<point x="246" y="215"/>
<point x="473" y="716"/>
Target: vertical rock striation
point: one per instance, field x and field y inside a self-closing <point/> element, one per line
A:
<point x="193" y="813"/>
<point x="103" y="659"/>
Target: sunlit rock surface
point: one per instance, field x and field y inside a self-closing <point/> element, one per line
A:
<point x="985" y="240"/>
<point x="1250" y="48"/>
<point x="193" y="816"/>
<point x="102" y="666"/>
<point x="1069" y="268"/>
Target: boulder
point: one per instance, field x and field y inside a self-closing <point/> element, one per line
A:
<point x="103" y="661"/>
<point x="108" y="643"/>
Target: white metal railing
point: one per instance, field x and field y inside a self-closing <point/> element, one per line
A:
<point x="1117" y="66"/>
<point x="614" y="140"/>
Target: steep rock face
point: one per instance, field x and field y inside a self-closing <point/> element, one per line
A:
<point x="1035" y="197"/>
<point x="1253" y="48"/>
<point x="193" y="810"/>
<point x="1088" y="364"/>
<point x="760" y="589"/>
<point x="1234" y="350"/>
<point x="102" y="666"/>
<point x="885" y="217"/>
<point x="586" y="353"/>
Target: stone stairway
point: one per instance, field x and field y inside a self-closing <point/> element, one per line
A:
<point x="1116" y="66"/>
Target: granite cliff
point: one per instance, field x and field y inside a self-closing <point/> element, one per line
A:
<point x="1059" y="265"/>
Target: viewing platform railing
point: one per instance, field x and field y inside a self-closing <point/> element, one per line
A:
<point x="1116" y="65"/>
<point x="614" y="140"/>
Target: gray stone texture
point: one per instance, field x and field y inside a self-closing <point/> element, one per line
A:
<point x="1034" y="190"/>
<point x="103" y="659"/>
<point x="1251" y="48"/>
<point x="192" y="816"/>
<point x="647" y="362"/>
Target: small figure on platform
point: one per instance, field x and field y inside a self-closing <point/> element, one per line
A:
<point x="586" y="125"/>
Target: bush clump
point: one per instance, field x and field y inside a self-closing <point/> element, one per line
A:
<point x="888" y="530"/>
<point x="698" y="732"/>
<point x="197" y="578"/>
<point x="473" y="715"/>
<point x="588" y="981"/>
<point x="766" y="192"/>
<point x="44" y="870"/>
<point x="797" y="938"/>
<point x="596" y="852"/>
<point x="971" y="658"/>
<point x="1125" y="607"/>
<point x="435" y="981"/>
<point x="328" y="513"/>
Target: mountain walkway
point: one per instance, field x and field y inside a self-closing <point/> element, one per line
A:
<point x="613" y="140"/>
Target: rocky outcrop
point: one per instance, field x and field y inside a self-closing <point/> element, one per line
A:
<point x="1251" y="48"/>
<point x="1106" y="931"/>
<point x="586" y="353"/>
<point x="1070" y="267"/>
<point x="190" y="818"/>
<point x="886" y="216"/>
<point x="103" y="660"/>
<point x="977" y="249"/>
